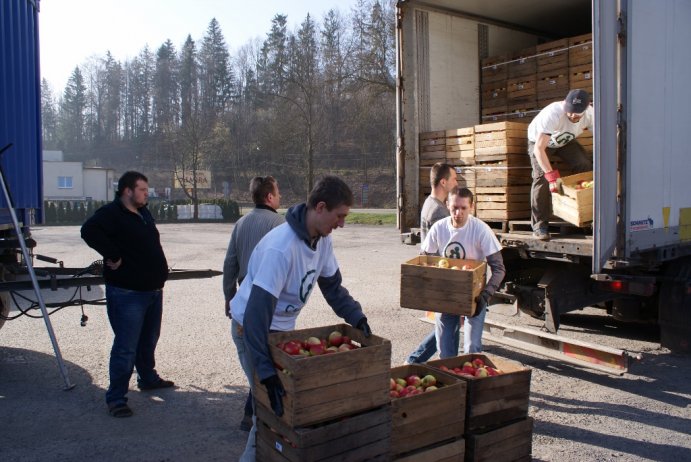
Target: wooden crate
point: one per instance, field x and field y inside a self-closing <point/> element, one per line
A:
<point x="581" y="50"/>
<point x="491" y="204"/>
<point x="502" y="176"/>
<point x="494" y="114"/>
<point x="581" y="77"/>
<point x="432" y="147"/>
<point x="493" y="94"/>
<point x="494" y="68"/>
<point x="364" y="436"/>
<point x="576" y="205"/>
<point x="552" y="55"/>
<point x="509" y="443"/>
<point x="585" y="139"/>
<point x="449" y="451"/>
<point x="523" y="116"/>
<point x="523" y="62"/>
<point x="428" y="418"/>
<point x="465" y="176"/>
<point x="460" y="146"/>
<point x="424" y="286"/>
<point x="554" y="84"/>
<point x="503" y="141"/>
<point x="495" y="400"/>
<point x="325" y="387"/>
<point x="521" y="89"/>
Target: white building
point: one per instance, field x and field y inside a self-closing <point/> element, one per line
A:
<point x="72" y="181"/>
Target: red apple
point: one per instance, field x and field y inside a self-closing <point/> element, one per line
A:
<point x="335" y="338"/>
<point x="392" y="384"/>
<point x="444" y="368"/>
<point x="478" y="362"/>
<point x="346" y="339"/>
<point x="345" y="347"/>
<point x="413" y="380"/>
<point x="292" y="348"/>
<point x="393" y="394"/>
<point x="316" y="350"/>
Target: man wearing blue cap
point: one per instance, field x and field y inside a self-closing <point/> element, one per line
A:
<point x="552" y="132"/>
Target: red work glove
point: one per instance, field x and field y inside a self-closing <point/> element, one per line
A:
<point x="552" y="177"/>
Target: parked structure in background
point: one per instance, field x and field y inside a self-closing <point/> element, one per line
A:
<point x="72" y="181"/>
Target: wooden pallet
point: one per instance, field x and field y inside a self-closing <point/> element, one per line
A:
<point x="498" y="225"/>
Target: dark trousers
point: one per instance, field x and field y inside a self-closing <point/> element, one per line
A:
<point x="135" y="318"/>
<point x="540" y="196"/>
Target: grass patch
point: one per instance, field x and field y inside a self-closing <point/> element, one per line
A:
<point x="357" y="218"/>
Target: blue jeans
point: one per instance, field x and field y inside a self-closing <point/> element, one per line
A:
<point x="236" y="333"/>
<point x="472" y="333"/>
<point x="424" y="351"/>
<point x="447" y="332"/>
<point x="135" y="318"/>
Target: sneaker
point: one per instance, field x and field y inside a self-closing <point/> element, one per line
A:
<point x="120" y="410"/>
<point x="156" y="385"/>
<point x="246" y="423"/>
<point x="541" y="234"/>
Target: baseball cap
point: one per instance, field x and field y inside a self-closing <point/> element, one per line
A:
<point x="577" y="101"/>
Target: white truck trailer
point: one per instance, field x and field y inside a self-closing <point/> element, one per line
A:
<point x="635" y="260"/>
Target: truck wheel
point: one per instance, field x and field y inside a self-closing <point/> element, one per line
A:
<point x="675" y="307"/>
<point x="4" y="308"/>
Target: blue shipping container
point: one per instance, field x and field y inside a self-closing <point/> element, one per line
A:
<point x="20" y="110"/>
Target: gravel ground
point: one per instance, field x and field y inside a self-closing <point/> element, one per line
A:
<point x="579" y="414"/>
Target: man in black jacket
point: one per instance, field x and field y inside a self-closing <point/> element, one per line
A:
<point x="135" y="270"/>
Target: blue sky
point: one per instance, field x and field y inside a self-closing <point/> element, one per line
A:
<point x="71" y="31"/>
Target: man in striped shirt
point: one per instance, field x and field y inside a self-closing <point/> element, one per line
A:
<point x="248" y="231"/>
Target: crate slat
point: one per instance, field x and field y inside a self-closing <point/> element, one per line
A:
<point x="509" y="443"/>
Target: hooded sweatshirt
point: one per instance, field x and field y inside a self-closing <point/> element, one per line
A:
<point x="281" y="275"/>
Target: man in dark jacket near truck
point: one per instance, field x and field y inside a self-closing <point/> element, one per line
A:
<point x="135" y="270"/>
<point x="282" y="272"/>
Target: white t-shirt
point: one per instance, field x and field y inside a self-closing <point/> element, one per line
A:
<point x="473" y="241"/>
<point x="552" y="120"/>
<point x="295" y="270"/>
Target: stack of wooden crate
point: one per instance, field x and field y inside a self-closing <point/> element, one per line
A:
<point x="429" y="426"/>
<point x="460" y="146"/>
<point x="516" y="87"/>
<point x="493" y="98"/>
<point x="497" y="426"/>
<point x="336" y="406"/>
<point x="502" y="171"/>
<point x="522" y="84"/>
<point x="552" y="72"/>
<point x="581" y="62"/>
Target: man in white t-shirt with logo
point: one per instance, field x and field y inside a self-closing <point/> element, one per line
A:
<point x="553" y="132"/>
<point x="465" y="237"/>
<point x="285" y="267"/>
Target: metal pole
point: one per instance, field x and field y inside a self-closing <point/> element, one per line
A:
<point x="32" y="275"/>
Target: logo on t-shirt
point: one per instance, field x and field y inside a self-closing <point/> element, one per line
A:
<point x="562" y="139"/>
<point x="306" y="285"/>
<point x="455" y="250"/>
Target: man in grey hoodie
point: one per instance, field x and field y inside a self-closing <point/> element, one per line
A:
<point x="282" y="272"/>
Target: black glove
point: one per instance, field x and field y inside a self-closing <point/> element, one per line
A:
<point x="482" y="301"/>
<point x="275" y="389"/>
<point x="364" y="327"/>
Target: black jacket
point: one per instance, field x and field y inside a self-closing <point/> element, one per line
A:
<point x="115" y="232"/>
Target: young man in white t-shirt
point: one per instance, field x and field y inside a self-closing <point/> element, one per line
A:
<point x="553" y="131"/>
<point x="466" y="237"/>
<point x="283" y="270"/>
